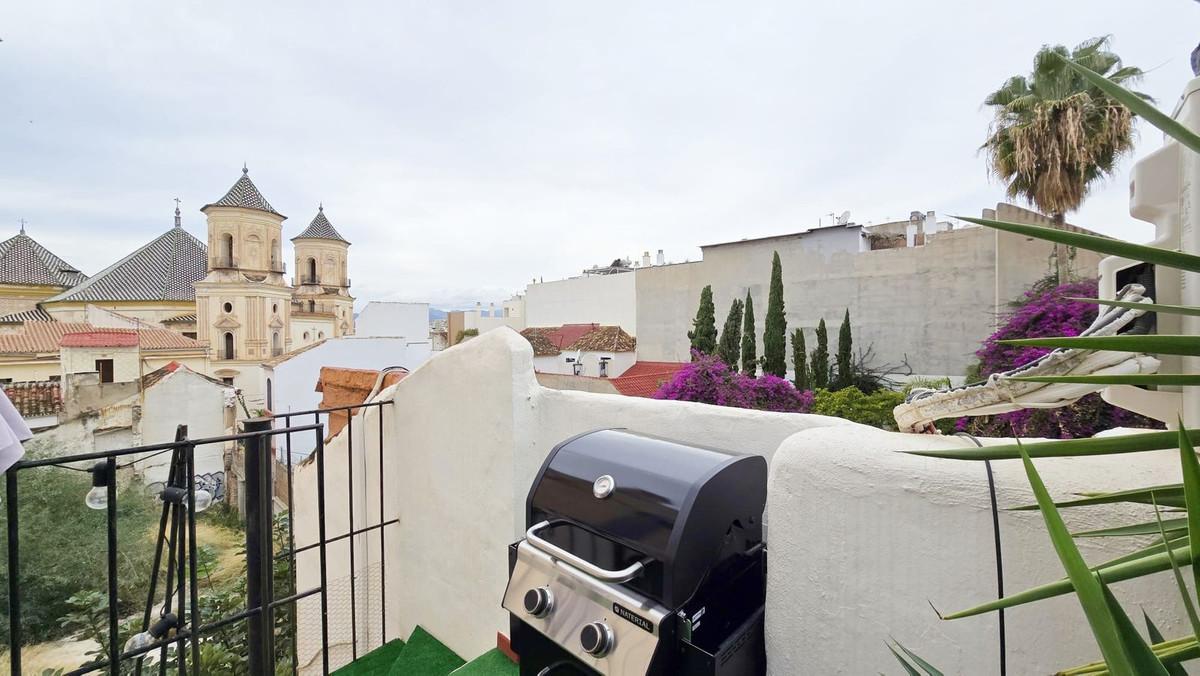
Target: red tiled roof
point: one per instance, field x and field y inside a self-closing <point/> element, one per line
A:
<point x="35" y="399"/>
<point x="551" y="340"/>
<point x="100" y="339"/>
<point x="645" y="378"/>
<point x="45" y="337"/>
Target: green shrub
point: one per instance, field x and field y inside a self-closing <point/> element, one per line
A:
<point x="851" y="403"/>
<point x="63" y="549"/>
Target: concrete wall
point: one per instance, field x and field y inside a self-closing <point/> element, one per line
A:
<point x="186" y="398"/>
<point x="600" y="299"/>
<point x="405" y="320"/>
<point x="864" y="538"/>
<point x="930" y="305"/>
<point x="83" y="360"/>
<point x="860" y="537"/>
<point x="618" y="363"/>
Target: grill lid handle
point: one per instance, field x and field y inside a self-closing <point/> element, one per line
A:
<point x="624" y="575"/>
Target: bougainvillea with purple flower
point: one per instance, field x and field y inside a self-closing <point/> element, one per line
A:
<point x="709" y="380"/>
<point x="1043" y="313"/>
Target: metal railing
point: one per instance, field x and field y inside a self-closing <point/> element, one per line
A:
<point x="176" y="537"/>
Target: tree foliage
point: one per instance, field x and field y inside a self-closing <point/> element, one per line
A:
<point x="730" y="347"/>
<point x="1042" y="312"/>
<point x="851" y="403"/>
<point x="799" y="360"/>
<point x="775" y="333"/>
<point x="63" y="548"/>
<point x="711" y="381"/>
<point x="1054" y="133"/>
<point x="818" y="370"/>
<point x="749" y="340"/>
<point x="845" y="354"/>
<point x="704" y="327"/>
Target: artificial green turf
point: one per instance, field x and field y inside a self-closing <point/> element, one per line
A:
<point x="424" y="655"/>
<point x="491" y="663"/>
<point x="378" y="661"/>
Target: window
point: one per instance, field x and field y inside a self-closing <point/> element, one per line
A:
<point x="228" y="307"/>
<point x="53" y="379"/>
<point x="312" y="306"/>
<point x="306" y="336"/>
<point x="228" y="380"/>
<point x="189" y="334"/>
<point x="275" y="308"/>
<point x="270" y="402"/>
<point x="8" y="381"/>
<point x="577" y="368"/>
<point x="105" y="368"/>
<point x="276" y="348"/>
<point x="320" y="335"/>
<point x="274" y="254"/>
<point x="603" y="367"/>
<point x="312" y="271"/>
<point x="227" y="250"/>
<point x="228" y="346"/>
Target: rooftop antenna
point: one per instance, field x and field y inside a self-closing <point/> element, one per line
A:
<point x="844" y="218"/>
<point x="178" y="220"/>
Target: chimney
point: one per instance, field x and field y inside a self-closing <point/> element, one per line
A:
<point x="645" y="259"/>
<point x="662" y="260"/>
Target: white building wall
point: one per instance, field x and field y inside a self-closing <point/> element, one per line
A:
<point x="294" y="381"/>
<point x="394" y="319"/>
<point x="618" y="363"/>
<point x="600" y="299"/>
<point x="83" y="360"/>
<point x="861" y="537"/>
<point x="185" y="398"/>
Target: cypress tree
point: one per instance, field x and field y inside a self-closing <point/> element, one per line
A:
<point x="749" y="343"/>
<point x="845" y="362"/>
<point x="730" y="347"/>
<point x="704" y="335"/>
<point x="799" y="360"/>
<point x="819" y="371"/>
<point x="775" y="335"/>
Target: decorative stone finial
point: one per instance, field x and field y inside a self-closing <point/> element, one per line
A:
<point x="178" y="219"/>
<point x="321" y="207"/>
<point x="22" y="226"/>
<point x="245" y="170"/>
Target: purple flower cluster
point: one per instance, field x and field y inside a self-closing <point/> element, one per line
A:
<point x="709" y="380"/>
<point x="1043" y="313"/>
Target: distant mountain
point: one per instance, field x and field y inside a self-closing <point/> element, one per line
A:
<point x="435" y="313"/>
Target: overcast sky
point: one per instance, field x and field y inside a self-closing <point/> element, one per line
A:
<point x="466" y="147"/>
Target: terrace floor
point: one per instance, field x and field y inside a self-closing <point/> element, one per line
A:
<point x="424" y="655"/>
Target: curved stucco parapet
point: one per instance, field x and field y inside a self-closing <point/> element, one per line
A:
<point x="864" y="538"/>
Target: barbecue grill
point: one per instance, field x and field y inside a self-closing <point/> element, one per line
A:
<point x="642" y="556"/>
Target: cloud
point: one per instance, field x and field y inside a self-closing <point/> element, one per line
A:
<point x="465" y="148"/>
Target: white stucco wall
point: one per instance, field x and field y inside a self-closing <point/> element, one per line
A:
<point x="393" y="319"/>
<point x="184" y="398"/>
<point x="863" y="538"/>
<point x="859" y="537"/>
<point x="600" y="299"/>
<point x="618" y="363"/>
<point x="294" y="381"/>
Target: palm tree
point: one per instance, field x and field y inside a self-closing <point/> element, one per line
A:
<point x="1054" y="133"/>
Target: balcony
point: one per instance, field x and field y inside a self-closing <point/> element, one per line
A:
<point x="310" y="279"/>
<point x="223" y="263"/>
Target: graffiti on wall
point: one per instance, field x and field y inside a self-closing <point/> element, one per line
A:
<point x="213" y="482"/>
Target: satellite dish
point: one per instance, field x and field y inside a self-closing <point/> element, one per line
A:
<point x="844" y="218"/>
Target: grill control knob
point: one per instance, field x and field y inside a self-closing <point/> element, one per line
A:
<point x="539" y="602"/>
<point x="596" y="639"/>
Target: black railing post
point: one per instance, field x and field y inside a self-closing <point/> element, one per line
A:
<point x="259" y="568"/>
<point x="14" y="574"/>
<point x="114" y="644"/>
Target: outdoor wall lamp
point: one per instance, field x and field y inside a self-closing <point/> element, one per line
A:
<point x="156" y="631"/>
<point x="178" y="496"/>
<point x="97" y="498"/>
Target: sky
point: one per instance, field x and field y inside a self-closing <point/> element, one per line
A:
<point x="465" y="148"/>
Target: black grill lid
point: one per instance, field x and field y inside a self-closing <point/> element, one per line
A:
<point x="684" y="506"/>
